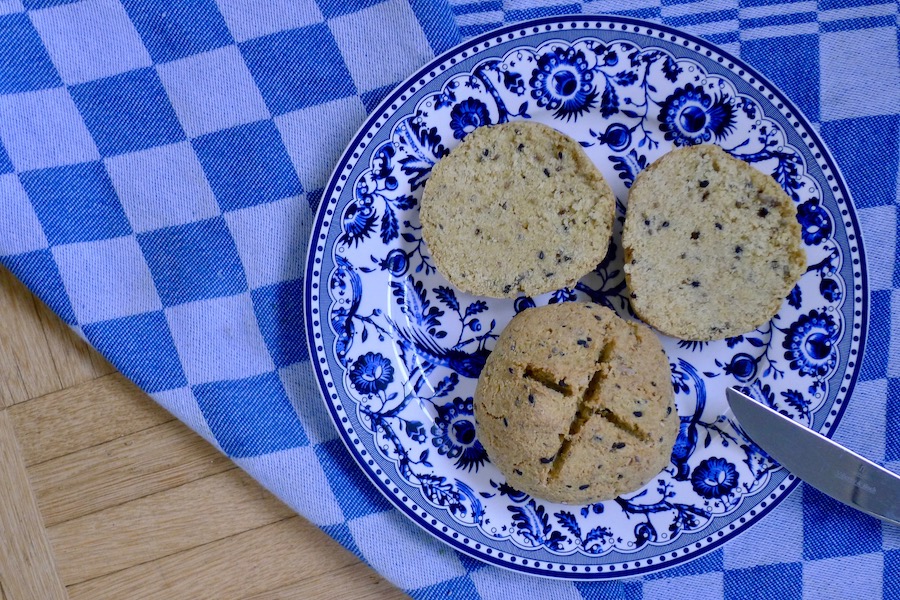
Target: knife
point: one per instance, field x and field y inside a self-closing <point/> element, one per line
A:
<point x="826" y="465"/>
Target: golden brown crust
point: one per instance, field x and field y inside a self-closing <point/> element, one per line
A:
<point x="575" y="405"/>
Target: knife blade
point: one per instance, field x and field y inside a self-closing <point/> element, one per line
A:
<point x="822" y="463"/>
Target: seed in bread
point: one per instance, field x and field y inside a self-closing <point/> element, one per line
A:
<point x="516" y="208"/>
<point x="712" y="245"/>
<point x="575" y="404"/>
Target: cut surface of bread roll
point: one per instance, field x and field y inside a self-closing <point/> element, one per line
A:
<point x="712" y="245"/>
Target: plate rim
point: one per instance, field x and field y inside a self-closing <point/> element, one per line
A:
<point x="322" y="209"/>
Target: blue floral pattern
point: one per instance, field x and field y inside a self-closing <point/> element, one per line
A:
<point x="371" y="373"/>
<point x="454" y="434"/>
<point x="810" y="344"/>
<point x="467" y="116"/>
<point x="410" y="347"/>
<point x="563" y="82"/>
<point x="691" y="116"/>
<point x="714" y="478"/>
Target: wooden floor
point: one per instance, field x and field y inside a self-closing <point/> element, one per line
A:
<point x="103" y="495"/>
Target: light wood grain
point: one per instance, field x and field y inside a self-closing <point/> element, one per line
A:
<point x="39" y="354"/>
<point x="121" y="470"/>
<point x="26" y="364"/>
<point x="225" y="569"/>
<point x="156" y="526"/>
<point x="83" y="416"/>
<point x="357" y="581"/>
<point x="135" y="500"/>
<point x="26" y="561"/>
<point x="74" y="360"/>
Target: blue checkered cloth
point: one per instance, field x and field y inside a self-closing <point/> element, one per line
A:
<point x="160" y="165"/>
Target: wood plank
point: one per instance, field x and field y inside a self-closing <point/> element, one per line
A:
<point x="254" y="562"/>
<point x="27" y="368"/>
<point x="83" y="416"/>
<point x="156" y="526"/>
<point x="41" y="354"/>
<point x="121" y="470"/>
<point x="356" y="581"/>
<point x="75" y="360"/>
<point x="27" y="568"/>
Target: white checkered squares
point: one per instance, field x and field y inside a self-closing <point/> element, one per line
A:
<point x="510" y="5"/>
<point x="605" y="7"/>
<point x="394" y="41"/>
<point x="897" y="197"/>
<point x="106" y="279"/>
<point x="879" y="229"/>
<point x="27" y="235"/>
<point x="890" y="533"/>
<point x="162" y="186"/>
<point x="90" y="40"/>
<point x="893" y="366"/>
<point x="498" y="583"/>
<point x="327" y="128"/>
<point x="754" y="546"/>
<point x="697" y="7"/>
<point x="862" y="427"/>
<point x="212" y="91"/>
<point x="183" y="405"/>
<point x="11" y="6"/>
<point x="299" y="381"/>
<point x="254" y="18"/>
<point x="844" y="577"/>
<point x="860" y="87"/>
<point x="218" y="339"/>
<point x="296" y="476"/>
<point x="407" y="546"/>
<point x="44" y="129"/>
<point x="708" y="586"/>
<point x="493" y="18"/>
<point x="288" y="221"/>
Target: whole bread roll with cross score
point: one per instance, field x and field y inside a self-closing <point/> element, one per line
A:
<point x="516" y="208"/>
<point x="575" y="404"/>
<point x="712" y="245"/>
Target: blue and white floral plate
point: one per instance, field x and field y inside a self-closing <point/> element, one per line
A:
<point x="397" y="350"/>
